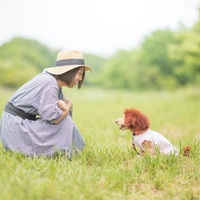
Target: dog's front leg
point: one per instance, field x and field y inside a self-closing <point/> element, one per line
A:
<point x="134" y="147"/>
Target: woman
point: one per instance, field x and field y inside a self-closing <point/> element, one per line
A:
<point x="37" y="119"/>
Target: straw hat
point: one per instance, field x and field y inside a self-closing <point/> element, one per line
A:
<point x="66" y="61"/>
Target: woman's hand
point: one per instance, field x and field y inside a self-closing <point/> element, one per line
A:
<point x="65" y="105"/>
<point x="62" y="105"/>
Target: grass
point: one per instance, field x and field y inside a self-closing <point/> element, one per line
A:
<point x="108" y="168"/>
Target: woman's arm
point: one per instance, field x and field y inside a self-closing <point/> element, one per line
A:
<point x="64" y="114"/>
<point x="65" y="107"/>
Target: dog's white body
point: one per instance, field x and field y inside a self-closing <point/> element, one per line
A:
<point x="158" y="140"/>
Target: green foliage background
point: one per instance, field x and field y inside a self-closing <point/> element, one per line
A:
<point x="164" y="60"/>
<point x="21" y="59"/>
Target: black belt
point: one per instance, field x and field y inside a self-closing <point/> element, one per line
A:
<point x="9" y="108"/>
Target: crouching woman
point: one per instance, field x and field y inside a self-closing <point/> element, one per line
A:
<point x="54" y="130"/>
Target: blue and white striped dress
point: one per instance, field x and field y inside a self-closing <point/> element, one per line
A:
<point x="40" y="96"/>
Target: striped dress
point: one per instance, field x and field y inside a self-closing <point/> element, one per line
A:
<point x="41" y="137"/>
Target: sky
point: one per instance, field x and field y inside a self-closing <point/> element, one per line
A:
<point x="93" y="26"/>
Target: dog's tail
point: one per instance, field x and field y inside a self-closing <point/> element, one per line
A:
<point x="186" y="151"/>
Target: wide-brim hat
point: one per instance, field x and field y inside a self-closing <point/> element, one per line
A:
<point x="66" y="61"/>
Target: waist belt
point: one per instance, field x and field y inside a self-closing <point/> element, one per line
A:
<point x="9" y="108"/>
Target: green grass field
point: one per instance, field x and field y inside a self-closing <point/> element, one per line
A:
<point x="108" y="169"/>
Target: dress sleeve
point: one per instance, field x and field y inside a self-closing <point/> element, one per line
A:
<point x="48" y="108"/>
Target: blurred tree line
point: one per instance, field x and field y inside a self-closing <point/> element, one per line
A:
<point x="165" y="60"/>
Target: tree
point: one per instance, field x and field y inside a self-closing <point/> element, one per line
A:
<point x="185" y="53"/>
<point x="21" y="59"/>
<point x="158" y="67"/>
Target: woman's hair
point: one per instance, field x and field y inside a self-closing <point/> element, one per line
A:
<point x="68" y="77"/>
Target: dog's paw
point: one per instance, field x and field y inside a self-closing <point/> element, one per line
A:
<point x="186" y="151"/>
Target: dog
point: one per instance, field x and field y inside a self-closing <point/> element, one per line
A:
<point x="145" y="139"/>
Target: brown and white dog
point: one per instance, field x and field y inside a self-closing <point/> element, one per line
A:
<point x="147" y="140"/>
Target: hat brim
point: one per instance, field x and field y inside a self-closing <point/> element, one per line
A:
<point x="63" y="69"/>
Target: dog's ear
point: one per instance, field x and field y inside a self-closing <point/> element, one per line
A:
<point x="136" y="119"/>
<point x="129" y="117"/>
<point x="130" y="121"/>
<point x="141" y="121"/>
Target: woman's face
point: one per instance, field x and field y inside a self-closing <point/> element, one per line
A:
<point x="78" y="77"/>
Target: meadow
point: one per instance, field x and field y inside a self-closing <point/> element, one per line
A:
<point x="108" y="168"/>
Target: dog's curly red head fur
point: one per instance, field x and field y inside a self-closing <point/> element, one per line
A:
<point x="136" y="120"/>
